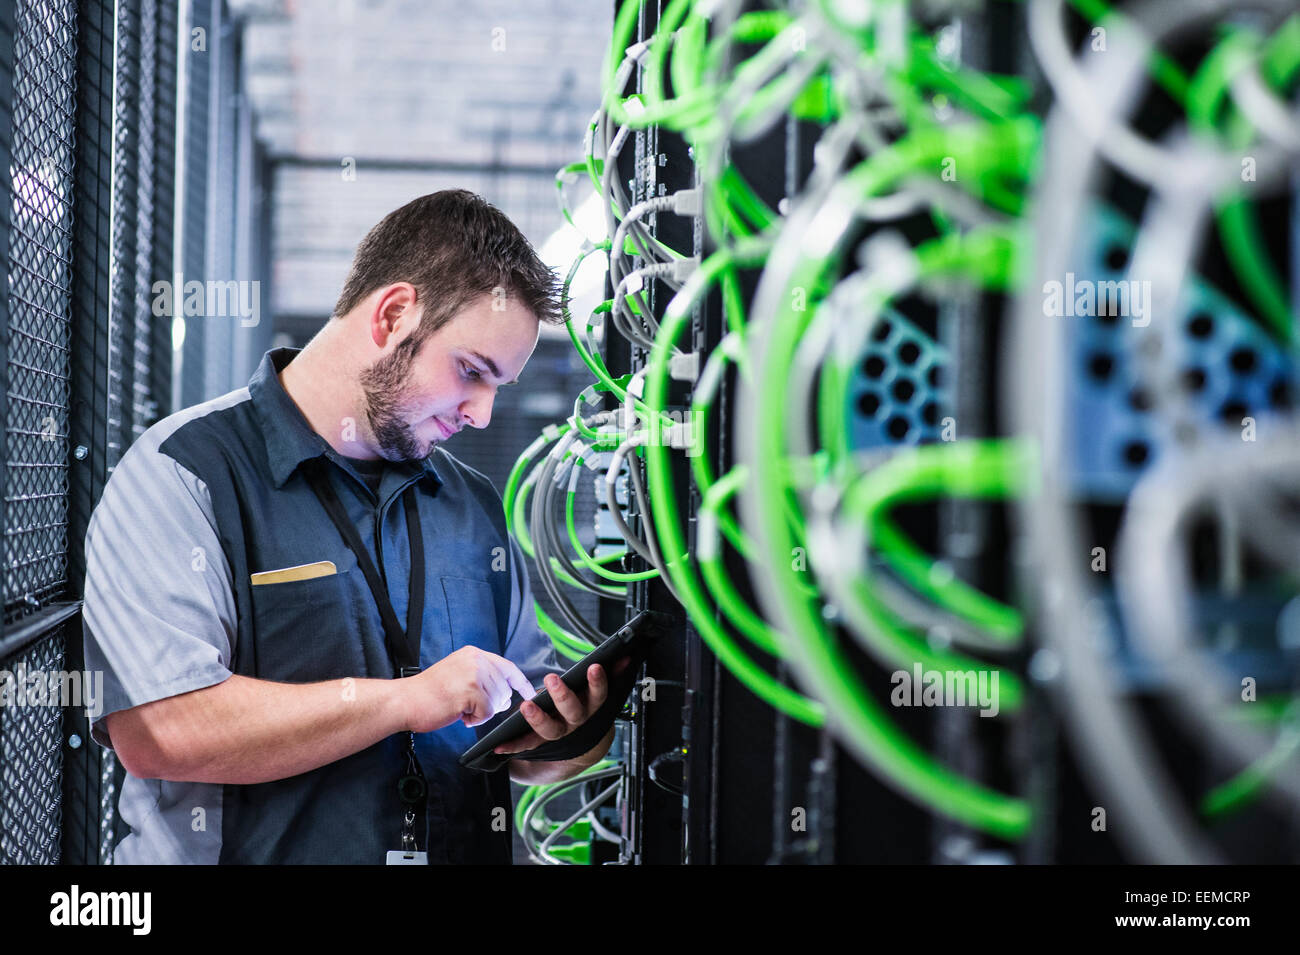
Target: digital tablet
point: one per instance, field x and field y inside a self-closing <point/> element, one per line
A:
<point x="633" y="640"/>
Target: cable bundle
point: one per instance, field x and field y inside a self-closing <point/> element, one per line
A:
<point x="964" y="185"/>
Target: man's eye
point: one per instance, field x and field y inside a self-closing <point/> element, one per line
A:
<point x="471" y="372"/>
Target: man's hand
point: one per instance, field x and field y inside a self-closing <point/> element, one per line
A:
<point x="470" y="685"/>
<point x="571" y="709"/>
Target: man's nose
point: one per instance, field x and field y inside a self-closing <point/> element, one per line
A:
<point x="477" y="412"/>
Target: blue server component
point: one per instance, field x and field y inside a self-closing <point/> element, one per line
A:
<point x="1228" y="366"/>
<point x="899" y="393"/>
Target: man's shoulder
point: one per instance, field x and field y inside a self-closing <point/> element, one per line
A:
<point x="451" y="468"/>
<point x="178" y="443"/>
<point x="470" y="484"/>
<point x="205" y="416"/>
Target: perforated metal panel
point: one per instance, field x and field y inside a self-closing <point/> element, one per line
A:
<point x="37" y="101"/>
<point x="125" y="184"/>
<point x="96" y="393"/>
<point x="144" y="404"/>
<point x="31" y="765"/>
<point x="196" y="170"/>
<point x="40" y="277"/>
<point x="898" y="394"/>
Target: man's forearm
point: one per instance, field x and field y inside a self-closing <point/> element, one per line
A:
<point x="530" y="772"/>
<point x="252" y="731"/>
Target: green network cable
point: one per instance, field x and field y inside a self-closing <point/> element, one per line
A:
<point x="568" y="645"/>
<point x="741" y="615"/>
<point x="1245" y="787"/>
<point x="597" y="563"/>
<point x="926" y="472"/>
<point x="1205" y="99"/>
<point x="887" y="748"/>
<point x="667" y="519"/>
<point x="732" y="207"/>
<point x="578" y="850"/>
<point x="987" y="258"/>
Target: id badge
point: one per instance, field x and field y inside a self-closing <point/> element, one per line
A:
<point x="398" y="857"/>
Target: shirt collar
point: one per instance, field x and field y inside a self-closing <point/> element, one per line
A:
<point x="290" y="440"/>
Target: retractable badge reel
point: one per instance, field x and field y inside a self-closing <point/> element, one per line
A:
<point x="412" y="789"/>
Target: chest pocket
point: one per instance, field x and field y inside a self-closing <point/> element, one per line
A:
<point x="471" y="614"/>
<point x="306" y="630"/>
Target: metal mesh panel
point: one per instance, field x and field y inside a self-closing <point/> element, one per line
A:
<point x="198" y="147"/>
<point x="143" y="403"/>
<point x="40" y="242"/>
<point x="160" y="200"/>
<point x="122" y="264"/>
<point x="90" y="313"/>
<point x="31" y="764"/>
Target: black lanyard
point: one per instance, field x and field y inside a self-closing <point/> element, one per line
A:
<point x="403" y="646"/>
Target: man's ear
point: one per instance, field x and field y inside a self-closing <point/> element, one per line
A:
<point x="395" y="313"/>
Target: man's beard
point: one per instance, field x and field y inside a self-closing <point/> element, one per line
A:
<point x="384" y="387"/>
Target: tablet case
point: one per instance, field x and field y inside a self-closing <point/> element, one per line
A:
<point x="632" y="640"/>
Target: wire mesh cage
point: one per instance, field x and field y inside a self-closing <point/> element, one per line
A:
<point x="40" y="278"/>
<point x="87" y="106"/>
<point x="143" y="405"/>
<point x="31" y="763"/>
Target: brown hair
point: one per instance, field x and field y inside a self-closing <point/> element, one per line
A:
<point x="453" y="246"/>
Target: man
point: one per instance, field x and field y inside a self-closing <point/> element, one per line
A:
<point x="250" y="631"/>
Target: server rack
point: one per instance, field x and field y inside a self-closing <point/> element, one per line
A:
<point x="931" y="371"/>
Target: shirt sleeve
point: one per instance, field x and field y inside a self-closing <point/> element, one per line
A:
<point x="527" y="646"/>
<point x="159" y="612"/>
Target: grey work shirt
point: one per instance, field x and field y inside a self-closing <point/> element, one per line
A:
<point x="180" y="593"/>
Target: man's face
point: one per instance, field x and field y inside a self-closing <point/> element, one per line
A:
<point x="415" y="399"/>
